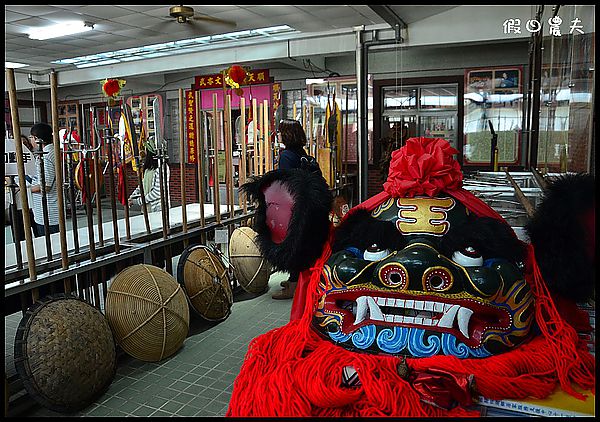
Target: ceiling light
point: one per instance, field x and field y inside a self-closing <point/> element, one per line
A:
<point x="12" y="65"/>
<point x="60" y="30"/>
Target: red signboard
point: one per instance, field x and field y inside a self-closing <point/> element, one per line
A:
<point x="190" y="124"/>
<point x="253" y="77"/>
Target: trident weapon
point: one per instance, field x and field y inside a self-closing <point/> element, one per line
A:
<point x="69" y="153"/>
<point x="136" y="158"/>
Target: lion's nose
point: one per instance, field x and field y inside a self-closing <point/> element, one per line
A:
<point x="419" y="266"/>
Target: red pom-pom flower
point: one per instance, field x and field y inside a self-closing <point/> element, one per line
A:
<point x="112" y="87"/>
<point x="423" y="166"/>
<point x="237" y="74"/>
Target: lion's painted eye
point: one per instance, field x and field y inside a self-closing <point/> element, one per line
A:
<point x="437" y="279"/>
<point x="468" y="257"/>
<point x="394" y="275"/>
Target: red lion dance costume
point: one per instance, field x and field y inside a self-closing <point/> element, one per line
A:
<point x="420" y="300"/>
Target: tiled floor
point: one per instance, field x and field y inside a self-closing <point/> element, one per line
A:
<point x="196" y="381"/>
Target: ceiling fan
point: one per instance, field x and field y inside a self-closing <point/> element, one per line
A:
<point x="186" y="15"/>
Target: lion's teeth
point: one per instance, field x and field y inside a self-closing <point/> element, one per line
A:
<point x="361" y="309"/>
<point x="447" y="320"/>
<point x="374" y="311"/>
<point x="464" y="316"/>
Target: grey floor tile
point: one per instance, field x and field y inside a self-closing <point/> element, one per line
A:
<point x="195" y="381"/>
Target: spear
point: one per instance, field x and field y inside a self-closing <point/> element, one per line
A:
<point x="97" y="175"/>
<point x="108" y="138"/>
<point x="68" y="150"/>
<point x="200" y="161"/>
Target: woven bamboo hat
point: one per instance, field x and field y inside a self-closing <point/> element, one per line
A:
<point x="251" y="270"/>
<point x="148" y="312"/>
<point x="206" y="283"/>
<point x="65" y="353"/>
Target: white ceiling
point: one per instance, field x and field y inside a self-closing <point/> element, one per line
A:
<point x="120" y="27"/>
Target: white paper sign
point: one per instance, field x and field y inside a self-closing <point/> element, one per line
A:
<point x="10" y="159"/>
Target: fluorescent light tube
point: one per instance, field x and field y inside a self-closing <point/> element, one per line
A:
<point x="12" y="65"/>
<point x="60" y="30"/>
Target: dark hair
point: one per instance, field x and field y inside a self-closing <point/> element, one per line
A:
<point x="150" y="161"/>
<point x="292" y="133"/>
<point x="42" y="131"/>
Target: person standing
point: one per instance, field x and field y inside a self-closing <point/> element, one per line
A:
<point x="43" y="132"/>
<point x="292" y="136"/>
<point x="151" y="182"/>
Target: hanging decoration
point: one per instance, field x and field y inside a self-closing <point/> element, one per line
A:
<point x="234" y="77"/>
<point x="112" y="88"/>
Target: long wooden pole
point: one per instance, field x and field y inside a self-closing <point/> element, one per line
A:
<point x="229" y="154"/>
<point x="58" y="171"/>
<point x="255" y="137"/>
<point x="182" y="159"/>
<point x="200" y="161"/>
<point x="261" y="141"/>
<point x="14" y="111"/>
<point x="267" y="138"/>
<point x="529" y="208"/>
<point x="108" y="138"/>
<point x="242" y="178"/>
<point x="312" y="149"/>
<point x="215" y="142"/>
<point x="97" y="173"/>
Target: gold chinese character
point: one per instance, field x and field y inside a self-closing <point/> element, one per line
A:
<point x="261" y="76"/>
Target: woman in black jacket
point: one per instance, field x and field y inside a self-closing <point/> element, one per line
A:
<point x="291" y="134"/>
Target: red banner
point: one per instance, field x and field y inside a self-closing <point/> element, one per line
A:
<point x="253" y="77"/>
<point x="190" y="125"/>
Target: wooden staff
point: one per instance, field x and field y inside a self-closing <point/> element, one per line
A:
<point x="229" y="156"/>
<point x="164" y="203"/>
<point x="40" y="153"/>
<point x="59" y="175"/>
<point x="242" y="178"/>
<point x="199" y="162"/>
<point x="182" y="159"/>
<point x="136" y="159"/>
<point x="261" y="140"/>
<point x="543" y="184"/>
<point x="72" y="201"/>
<point x="108" y="138"/>
<point x="529" y="208"/>
<point x="345" y="145"/>
<point x="214" y="132"/>
<point x="14" y="111"/>
<point x="267" y="138"/>
<point x="126" y="205"/>
<point x="255" y="137"/>
<point x="97" y="175"/>
<point x="311" y="116"/>
<point x="85" y="189"/>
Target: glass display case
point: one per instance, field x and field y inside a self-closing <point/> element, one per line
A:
<point x="493" y="96"/>
<point x="429" y="111"/>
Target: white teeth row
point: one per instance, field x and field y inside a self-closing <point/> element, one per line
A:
<point x="367" y="304"/>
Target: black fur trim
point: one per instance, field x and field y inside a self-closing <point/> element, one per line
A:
<point x="360" y="230"/>
<point x="309" y="225"/>
<point x="557" y="234"/>
<point x="491" y="237"/>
